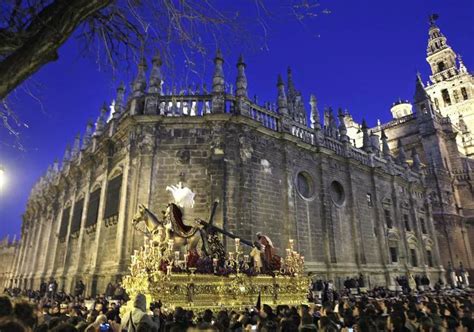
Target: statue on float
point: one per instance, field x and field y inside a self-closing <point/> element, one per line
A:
<point x="199" y="239"/>
<point x="172" y="227"/>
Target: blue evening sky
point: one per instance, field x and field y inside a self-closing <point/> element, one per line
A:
<point x="363" y="56"/>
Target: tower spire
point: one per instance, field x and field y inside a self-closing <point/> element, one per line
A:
<point x="218" y="83"/>
<point x="385" y="147"/>
<point x="440" y="55"/>
<point x="416" y="160"/>
<point x="342" y="127"/>
<point x="421" y="99"/>
<point x="366" y="145"/>
<point x="315" y="122"/>
<point x="100" y="124"/>
<point x="282" y="100"/>
<point x="241" y="82"/>
<point x="402" y="157"/>
<point x="420" y="92"/>
<point x="156" y="78"/>
<point x="462" y="67"/>
<point x="77" y="145"/>
<point x="139" y="84"/>
<point x="120" y="101"/>
<point x="87" y="136"/>
<point x="291" y="85"/>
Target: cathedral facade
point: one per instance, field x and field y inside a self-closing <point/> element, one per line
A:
<point x="438" y="128"/>
<point x="382" y="207"/>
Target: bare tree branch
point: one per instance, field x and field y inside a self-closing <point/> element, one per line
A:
<point x="42" y="46"/>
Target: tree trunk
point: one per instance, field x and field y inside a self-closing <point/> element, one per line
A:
<point x="42" y="47"/>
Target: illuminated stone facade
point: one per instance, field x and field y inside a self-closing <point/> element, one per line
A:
<point x="439" y="127"/>
<point x="368" y="209"/>
<point x="8" y="249"/>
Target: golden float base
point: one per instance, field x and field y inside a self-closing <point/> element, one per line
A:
<point x="207" y="291"/>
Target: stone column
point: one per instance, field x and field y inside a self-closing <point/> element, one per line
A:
<point x="66" y="245"/>
<point x="120" y="238"/>
<point x="432" y="233"/>
<point x="38" y="240"/>
<point x="77" y="270"/>
<point x="59" y="217"/>
<point x="27" y="251"/>
<point x="325" y="211"/>
<point x="358" y="243"/>
<point x="136" y="188"/>
<point x="45" y="241"/>
<point x="19" y="254"/>
<point x="95" y="248"/>
<point x="417" y="230"/>
<point x="402" y="244"/>
<point x="380" y="227"/>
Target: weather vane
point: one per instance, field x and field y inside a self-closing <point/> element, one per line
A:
<point x="433" y="18"/>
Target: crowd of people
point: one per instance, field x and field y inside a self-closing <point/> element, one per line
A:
<point x="377" y="310"/>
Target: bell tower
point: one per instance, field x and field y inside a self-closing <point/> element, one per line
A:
<point x="451" y="86"/>
<point x="440" y="55"/>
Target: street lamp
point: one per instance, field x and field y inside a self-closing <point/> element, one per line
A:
<point x="3" y="179"/>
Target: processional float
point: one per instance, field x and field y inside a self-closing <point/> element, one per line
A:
<point x="187" y="266"/>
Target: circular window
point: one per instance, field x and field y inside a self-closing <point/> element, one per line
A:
<point x="304" y="184"/>
<point x="337" y="193"/>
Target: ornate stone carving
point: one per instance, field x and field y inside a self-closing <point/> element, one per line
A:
<point x="183" y="156"/>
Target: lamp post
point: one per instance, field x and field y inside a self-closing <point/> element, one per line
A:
<point x="2" y="177"/>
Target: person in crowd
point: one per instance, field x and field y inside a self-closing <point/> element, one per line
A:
<point x="379" y="309"/>
<point x="6" y="308"/>
<point x="137" y="319"/>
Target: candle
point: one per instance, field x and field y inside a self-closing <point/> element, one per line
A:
<point x="291" y="244"/>
<point x="214" y="262"/>
<point x="288" y="252"/>
<point x="237" y="243"/>
<point x="176" y="255"/>
<point x="168" y="269"/>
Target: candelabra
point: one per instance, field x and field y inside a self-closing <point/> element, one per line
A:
<point x="293" y="262"/>
<point x="235" y="260"/>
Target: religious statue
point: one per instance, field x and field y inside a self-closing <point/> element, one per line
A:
<point x="172" y="229"/>
<point x="267" y="247"/>
<point x="256" y="255"/>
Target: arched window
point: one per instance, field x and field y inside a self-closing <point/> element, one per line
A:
<point x="423" y="226"/>
<point x="406" y="222"/>
<point x="464" y="93"/>
<point x="441" y="66"/>
<point x="413" y="257"/>
<point x="388" y="218"/>
<point x="64" y="223"/>
<point x="446" y="98"/>
<point x="429" y="258"/>
<point x="93" y="209"/>
<point x="112" y="200"/>
<point x="77" y="216"/>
